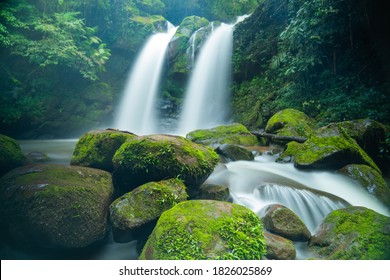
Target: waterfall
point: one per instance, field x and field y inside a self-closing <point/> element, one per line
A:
<point x="206" y="97"/>
<point x="137" y="108"/>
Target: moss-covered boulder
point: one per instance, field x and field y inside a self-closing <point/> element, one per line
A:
<point x="279" y="248"/>
<point x="282" y="221"/>
<point x="290" y="151"/>
<point x="11" y="155"/>
<point x="370" y="179"/>
<point x="145" y="204"/>
<point x="369" y="134"/>
<point x="331" y="152"/>
<point x="55" y="206"/>
<point x="206" y="229"/>
<point x="290" y="122"/>
<point x="224" y="134"/>
<point x="158" y="157"/>
<point x="214" y="192"/>
<point x="353" y="233"/>
<point x="234" y="152"/>
<point x="96" y="148"/>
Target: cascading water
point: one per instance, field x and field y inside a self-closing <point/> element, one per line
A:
<point x="136" y="111"/>
<point x="206" y="97"/>
<point x="311" y="195"/>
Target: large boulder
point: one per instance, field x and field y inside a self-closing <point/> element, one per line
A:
<point x="55" y="206"/>
<point x="96" y="148"/>
<point x="205" y="229"/>
<point x="11" y="155"/>
<point x="290" y="151"/>
<point x="331" y="152"/>
<point x="353" y="233"/>
<point x="290" y="122"/>
<point x="279" y="248"/>
<point x="234" y="133"/>
<point x="158" y="157"/>
<point x="369" y="134"/>
<point x="234" y="152"/>
<point x="145" y="204"/>
<point x="370" y="179"/>
<point x="282" y="221"/>
<point x="214" y="192"/>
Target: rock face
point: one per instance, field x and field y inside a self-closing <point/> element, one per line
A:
<point x="158" y="157"/>
<point x="282" y="221"/>
<point x="367" y="133"/>
<point x="205" y="229"/>
<point x="370" y="179"/>
<point x="353" y="233"/>
<point x="96" y="148"/>
<point x="11" y="155"/>
<point x="233" y="152"/>
<point x="225" y="134"/>
<point x="290" y="122"/>
<point x="214" y="192"/>
<point x="279" y="248"/>
<point x="331" y="152"/>
<point x="55" y="206"/>
<point x="145" y="204"/>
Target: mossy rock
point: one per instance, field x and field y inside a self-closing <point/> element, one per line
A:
<point x="279" y="248"/>
<point x="206" y="229"/>
<point x="214" y="192"/>
<point x="290" y="122"/>
<point x="224" y="134"/>
<point x="55" y="206"/>
<point x="331" y="153"/>
<point x="11" y="156"/>
<point x="96" y="148"/>
<point x="353" y="233"/>
<point x="369" y="134"/>
<point x="158" y="157"/>
<point x="37" y="157"/>
<point x="282" y="221"/>
<point x="289" y="152"/>
<point x="145" y="204"/>
<point x="234" y="152"/>
<point x="370" y="179"/>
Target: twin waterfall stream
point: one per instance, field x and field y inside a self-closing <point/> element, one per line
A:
<point x="255" y="184"/>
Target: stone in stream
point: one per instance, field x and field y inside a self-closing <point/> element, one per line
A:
<point x="11" y="155"/>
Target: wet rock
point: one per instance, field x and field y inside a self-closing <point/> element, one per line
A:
<point x="158" y="157"/>
<point x="289" y="152"/>
<point x="331" y="153"/>
<point x="353" y="233"/>
<point x="214" y="192"/>
<point x="370" y="179"/>
<point x="234" y="152"/>
<point x="280" y="220"/>
<point x="279" y="248"/>
<point x="143" y="205"/>
<point x="96" y="148"/>
<point x="225" y="134"/>
<point x="206" y="229"/>
<point x="55" y="206"/>
<point x="11" y="155"/>
<point x="290" y="122"/>
<point x="37" y="157"/>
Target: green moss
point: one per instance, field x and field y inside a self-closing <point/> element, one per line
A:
<point x="146" y="203"/>
<point x="290" y="122"/>
<point x="367" y="233"/>
<point x="96" y="148"/>
<point x="54" y="205"/>
<point x="206" y="230"/>
<point x="225" y="134"/>
<point x="11" y="155"/>
<point x="158" y="157"/>
<point x="332" y="152"/>
<point x="290" y="151"/>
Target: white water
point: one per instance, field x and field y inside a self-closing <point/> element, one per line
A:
<point x="311" y="195"/>
<point x="205" y="101"/>
<point x="137" y="111"/>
